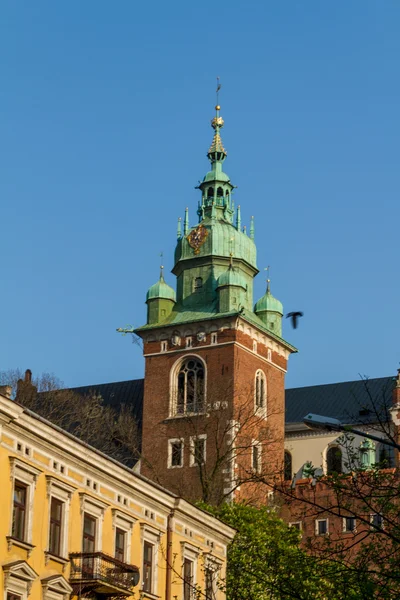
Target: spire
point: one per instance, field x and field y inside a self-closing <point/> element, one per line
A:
<point x="252" y="228"/>
<point x="238" y="219"/>
<point x="186" y="222"/>
<point x="217" y="151"/>
<point x="162" y="267"/>
<point x="179" y="230"/>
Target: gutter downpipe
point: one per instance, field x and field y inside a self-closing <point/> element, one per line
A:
<point x="168" y="577"/>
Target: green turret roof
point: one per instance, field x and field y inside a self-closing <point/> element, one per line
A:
<point x="268" y="302"/>
<point x="161" y="290"/>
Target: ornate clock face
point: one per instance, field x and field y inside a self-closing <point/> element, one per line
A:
<point x="197" y="237"/>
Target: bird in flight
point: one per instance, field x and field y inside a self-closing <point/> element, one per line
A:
<point x="294" y="316"/>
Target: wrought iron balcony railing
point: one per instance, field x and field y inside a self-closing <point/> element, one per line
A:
<point x="98" y="572"/>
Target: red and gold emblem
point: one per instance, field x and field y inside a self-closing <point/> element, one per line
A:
<point x="197" y="237"/>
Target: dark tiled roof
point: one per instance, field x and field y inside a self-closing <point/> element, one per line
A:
<point x="342" y="401"/>
<point x="117" y="393"/>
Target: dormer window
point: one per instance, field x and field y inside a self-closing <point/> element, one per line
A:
<point x="198" y="284"/>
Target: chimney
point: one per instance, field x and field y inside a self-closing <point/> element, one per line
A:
<point x="26" y="391"/>
<point x="6" y="391"/>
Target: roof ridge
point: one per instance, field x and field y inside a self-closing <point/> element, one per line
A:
<point x="93" y="385"/>
<point x="303" y="387"/>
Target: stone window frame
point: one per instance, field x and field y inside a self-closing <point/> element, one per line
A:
<point x="344" y="524"/>
<point x="152" y="536"/>
<point x="27" y="475"/>
<point x="373" y="527"/>
<point x="18" y="579"/>
<point x="211" y="563"/>
<point x="63" y="492"/>
<point x="173" y="441"/>
<point x="260" y="408"/>
<point x="163" y="346"/>
<point x="297" y="525"/>
<point x="317" y="521"/>
<point x="192" y="553"/>
<point x="193" y="439"/>
<point x="189" y="342"/>
<point x="214" y="338"/>
<point x="56" y="587"/>
<point x="126" y="523"/>
<point x="96" y="509"/>
<point x="256" y="444"/>
<point x="173" y="386"/>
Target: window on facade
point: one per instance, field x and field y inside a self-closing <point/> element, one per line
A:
<point x="120" y="536"/>
<point x="296" y="525"/>
<point x="209" y="577"/>
<point x="56" y="516"/>
<point x="376" y="521"/>
<point x="190" y="398"/>
<point x="187" y="579"/>
<point x="385" y="456"/>
<point x="220" y="192"/>
<point x="11" y="596"/>
<point x="89" y="533"/>
<point x="333" y="460"/>
<point x="198" y="450"/>
<point x="19" y="510"/>
<point x="322" y="527"/>
<point x="164" y="346"/>
<point x="349" y="524"/>
<point x="198" y="284"/>
<point x="256" y="457"/>
<point x="214" y="338"/>
<point x="148" y="551"/>
<point x="287" y="466"/>
<point x="189" y="342"/>
<point x="210" y="192"/>
<point x="175" y="452"/>
<point x="260" y="390"/>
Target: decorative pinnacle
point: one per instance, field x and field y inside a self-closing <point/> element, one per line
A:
<point x="186" y="222"/>
<point x="238" y="218"/>
<point x="179" y="230"/>
<point x="268" y="279"/>
<point x="252" y="228"/>
<point x="217" y="123"/>
<point x="161" y="267"/>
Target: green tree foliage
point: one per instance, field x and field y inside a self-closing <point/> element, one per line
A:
<point x="266" y="561"/>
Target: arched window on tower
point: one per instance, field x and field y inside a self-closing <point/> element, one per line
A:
<point x="220" y="192"/>
<point x="198" y="284"/>
<point x="287" y="467"/>
<point x="190" y="387"/>
<point x="210" y="192"/>
<point x="333" y="460"/>
<point x="260" y="396"/>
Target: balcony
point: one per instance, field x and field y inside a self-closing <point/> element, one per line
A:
<point x="99" y="573"/>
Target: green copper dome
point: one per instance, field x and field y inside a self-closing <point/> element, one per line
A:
<point x="231" y="277"/>
<point x="161" y="290"/>
<point x="268" y="303"/>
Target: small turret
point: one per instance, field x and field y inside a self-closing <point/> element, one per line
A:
<point x="232" y="290"/>
<point x="270" y="311"/>
<point x="160" y="300"/>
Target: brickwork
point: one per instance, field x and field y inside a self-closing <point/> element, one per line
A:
<point x="231" y="366"/>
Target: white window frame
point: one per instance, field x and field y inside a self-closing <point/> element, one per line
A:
<point x="269" y="354"/>
<point x="124" y="522"/>
<point x="193" y="439"/>
<point x="294" y="523"/>
<point x="371" y="520"/>
<point x="214" y="338"/>
<point x="27" y="475"/>
<point x="256" y="444"/>
<point x="173" y="386"/>
<point x="189" y="342"/>
<point x="56" y="587"/>
<point x="96" y="509"/>
<point x="191" y="553"/>
<point x="255" y="346"/>
<point x="317" y="527"/>
<point x="18" y="577"/>
<point x="214" y="565"/>
<point x="164" y="346"/>
<point x="174" y="441"/>
<point x="151" y="536"/>
<point x="344" y="525"/>
<point x="62" y="492"/>
<point x="260" y="411"/>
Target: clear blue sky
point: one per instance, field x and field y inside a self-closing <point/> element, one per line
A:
<point x="105" y="112"/>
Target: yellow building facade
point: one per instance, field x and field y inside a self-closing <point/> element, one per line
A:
<point x="76" y="524"/>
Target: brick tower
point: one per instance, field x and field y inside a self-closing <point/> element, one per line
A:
<point x="213" y="411"/>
